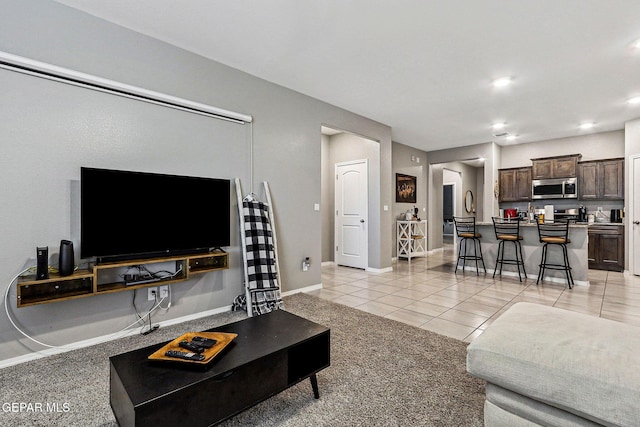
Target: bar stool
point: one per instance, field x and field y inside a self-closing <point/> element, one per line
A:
<point x="466" y="230"/>
<point x="556" y="233"/>
<point x="508" y="230"/>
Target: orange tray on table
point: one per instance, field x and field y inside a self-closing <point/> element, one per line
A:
<point x="223" y="339"/>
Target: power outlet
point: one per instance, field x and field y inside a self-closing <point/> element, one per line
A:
<point x="164" y="291"/>
<point x="152" y="293"/>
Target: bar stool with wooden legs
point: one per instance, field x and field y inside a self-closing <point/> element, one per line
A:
<point x="555" y="234"/>
<point x="466" y="230"/>
<point x="508" y="230"/>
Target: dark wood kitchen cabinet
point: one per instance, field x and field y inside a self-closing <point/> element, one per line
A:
<point x="606" y="247"/>
<point x="601" y="179"/>
<point x="555" y="167"/>
<point x="514" y="184"/>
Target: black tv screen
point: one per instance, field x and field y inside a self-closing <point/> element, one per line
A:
<point x="126" y="214"/>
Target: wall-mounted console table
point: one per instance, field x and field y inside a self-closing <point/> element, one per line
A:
<point x="100" y="278"/>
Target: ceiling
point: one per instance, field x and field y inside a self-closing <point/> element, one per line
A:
<point x="423" y="67"/>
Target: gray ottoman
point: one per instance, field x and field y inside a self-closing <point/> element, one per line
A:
<point x="553" y="367"/>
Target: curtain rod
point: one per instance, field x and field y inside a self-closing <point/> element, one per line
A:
<point x="35" y="68"/>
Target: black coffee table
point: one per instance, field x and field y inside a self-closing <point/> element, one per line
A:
<point x="271" y="353"/>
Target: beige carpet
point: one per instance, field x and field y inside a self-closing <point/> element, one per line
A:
<point x="382" y="373"/>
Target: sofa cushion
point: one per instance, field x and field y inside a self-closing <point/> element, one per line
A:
<point x="582" y="364"/>
<point x="496" y="416"/>
<point x="533" y="410"/>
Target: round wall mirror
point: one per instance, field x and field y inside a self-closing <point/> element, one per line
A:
<point x="469" y="204"/>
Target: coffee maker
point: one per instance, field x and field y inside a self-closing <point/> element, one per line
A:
<point x="582" y="214"/>
<point x="616" y="215"/>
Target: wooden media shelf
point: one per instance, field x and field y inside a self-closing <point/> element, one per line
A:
<point x="99" y="279"/>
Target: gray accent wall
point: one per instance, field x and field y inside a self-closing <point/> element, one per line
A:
<point x="47" y="139"/>
<point x="409" y="161"/>
<point x="604" y="145"/>
<point x="327" y="202"/>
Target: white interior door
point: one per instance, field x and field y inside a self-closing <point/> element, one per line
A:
<point x="351" y="204"/>
<point x="634" y="217"/>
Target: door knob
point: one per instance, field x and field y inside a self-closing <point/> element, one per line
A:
<point x="362" y="220"/>
<point x="636" y="222"/>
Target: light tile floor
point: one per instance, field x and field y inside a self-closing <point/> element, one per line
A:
<point x="426" y="293"/>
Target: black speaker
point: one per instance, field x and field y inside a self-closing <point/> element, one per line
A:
<point x="66" y="260"/>
<point x="42" y="265"/>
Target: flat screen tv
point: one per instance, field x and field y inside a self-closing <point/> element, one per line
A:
<point x="128" y="215"/>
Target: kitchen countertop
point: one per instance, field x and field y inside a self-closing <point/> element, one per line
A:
<point x="614" y="224"/>
<point x="535" y="224"/>
<point x="571" y="225"/>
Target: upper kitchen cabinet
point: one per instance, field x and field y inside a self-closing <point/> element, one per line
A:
<point x="555" y="167"/>
<point x="601" y="179"/>
<point x="514" y="184"/>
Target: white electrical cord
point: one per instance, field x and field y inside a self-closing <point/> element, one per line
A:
<point x="169" y="297"/>
<point x="6" y="309"/>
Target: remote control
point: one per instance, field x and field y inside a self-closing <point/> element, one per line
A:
<point x="196" y="348"/>
<point x="184" y="355"/>
<point x="204" y="342"/>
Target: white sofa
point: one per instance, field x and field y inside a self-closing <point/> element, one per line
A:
<point x="552" y="367"/>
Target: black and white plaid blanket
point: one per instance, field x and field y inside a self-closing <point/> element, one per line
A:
<point x="261" y="258"/>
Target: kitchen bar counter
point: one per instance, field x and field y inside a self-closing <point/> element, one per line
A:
<point x="535" y="225"/>
<point x="532" y="252"/>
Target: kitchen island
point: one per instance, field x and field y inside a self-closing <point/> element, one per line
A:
<point x="578" y="251"/>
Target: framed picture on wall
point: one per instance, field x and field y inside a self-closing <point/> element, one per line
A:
<point x="405" y="188"/>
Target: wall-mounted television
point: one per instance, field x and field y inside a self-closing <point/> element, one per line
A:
<point x="129" y="215"/>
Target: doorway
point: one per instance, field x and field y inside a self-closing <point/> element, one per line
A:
<point x="448" y="211"/>
<point x="344" y="148"/>
<point x="351" y="206"/>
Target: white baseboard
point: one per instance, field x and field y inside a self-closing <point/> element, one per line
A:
<point x="305" y="289"/>
<point x="369" y="269"/>
<point x="379" y="270"/>
<point x="104" y="338"/>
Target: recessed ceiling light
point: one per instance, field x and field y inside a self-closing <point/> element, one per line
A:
<point x="498" y="125"/>
<point x="501" y="82"/>
<point x="587" y="125"/>
<point x="633" y="101"/>
<point x="511" y="137"/>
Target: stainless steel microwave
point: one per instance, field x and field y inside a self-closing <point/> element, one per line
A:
<point x="554" y="188"/>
